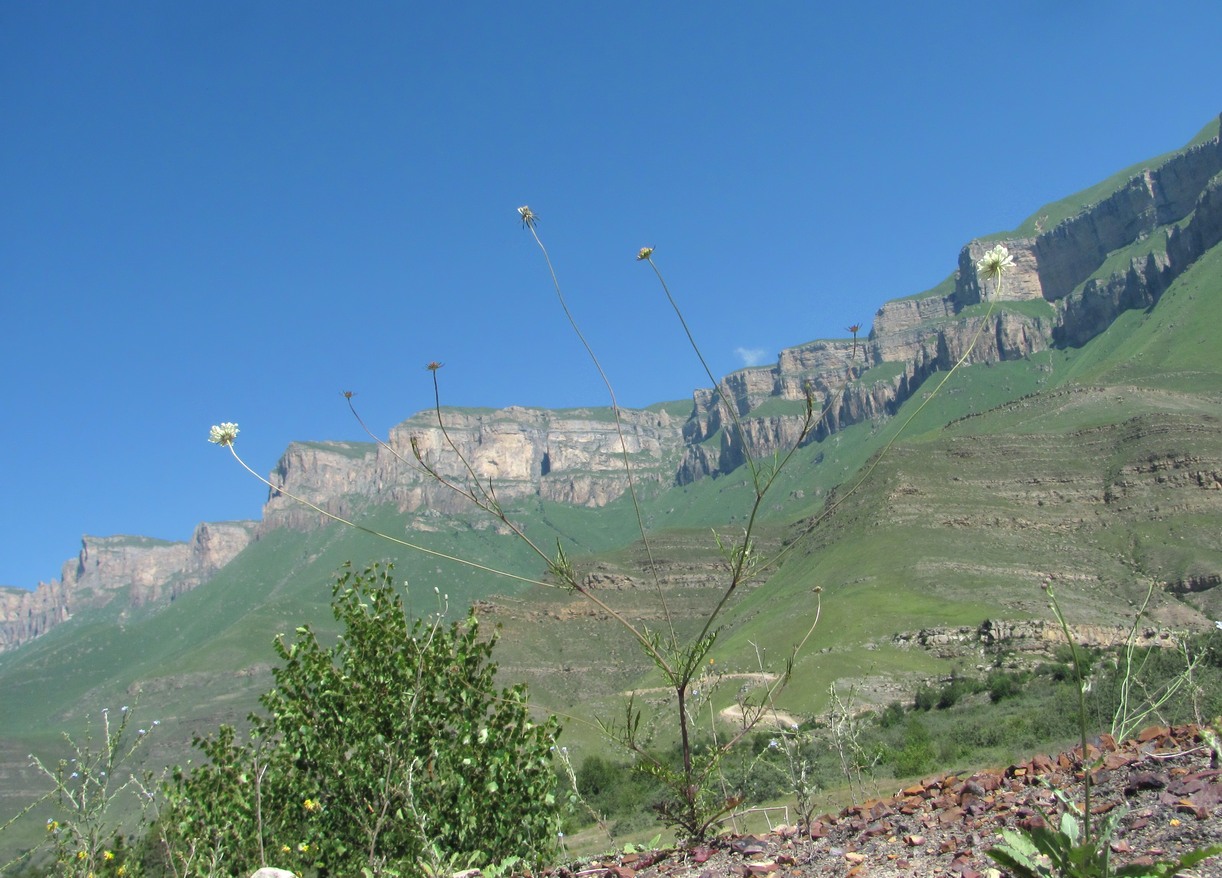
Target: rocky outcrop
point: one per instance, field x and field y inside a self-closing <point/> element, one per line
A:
<point x="25" y="615"/>
<point x="1176" y="207"/>
<point x="140" y="569"/>
<point x="1062" y="290"/>
<point x="1029" y="635"/>
<point x="573" y="456"/>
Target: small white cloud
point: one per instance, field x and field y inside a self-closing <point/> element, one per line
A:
<point x="751" y="356"/>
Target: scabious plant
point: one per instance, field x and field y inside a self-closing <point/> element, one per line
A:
<point x="692" y="804"/>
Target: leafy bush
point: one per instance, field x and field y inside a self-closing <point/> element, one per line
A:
<point x="389" y="752"/>
<point x="1003" y="684"/>
<point x="917" y="754"/>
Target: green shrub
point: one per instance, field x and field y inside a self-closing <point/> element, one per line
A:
<point x="1003" y="684"/>
<point x="389" y="752"/>
<point x="891" y="716"/>
<point x="917" y="754"/>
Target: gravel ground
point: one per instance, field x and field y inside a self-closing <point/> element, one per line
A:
<point x="1166" y="780"/>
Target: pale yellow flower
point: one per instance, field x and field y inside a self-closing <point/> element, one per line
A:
<point x="644" y="253"/>
<point x="994" y="263"/>
<point x="223" y="434"/>
<point x="529" y="217"/>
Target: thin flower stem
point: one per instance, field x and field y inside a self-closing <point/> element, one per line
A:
<point x="489" y="497"/>
<point x="384" y="536"/>
<point x="731" y="409"/>
<point x="619" y="429"/>
<point x="1081" y="678"/>
<point x="382" y="443"/>
<point x="878" y="458"/>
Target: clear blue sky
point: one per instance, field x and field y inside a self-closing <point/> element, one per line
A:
<point x="234" y="211"/>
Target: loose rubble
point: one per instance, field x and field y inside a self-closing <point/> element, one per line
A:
<point x="1166" y="778"/>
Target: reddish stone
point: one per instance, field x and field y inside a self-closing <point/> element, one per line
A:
<point x="1151" y="733"/>
<point x="762" y="868"/>
<point x="951" y="815"/>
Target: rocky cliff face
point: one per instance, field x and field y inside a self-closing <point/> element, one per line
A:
<point x="1162" y="219"/>
<point x="1171" y="214"/>
<point x="141" y="569"/>
<point x="573" y="456"/>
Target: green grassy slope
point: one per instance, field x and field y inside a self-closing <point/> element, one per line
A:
<point x="1099" y="466"/>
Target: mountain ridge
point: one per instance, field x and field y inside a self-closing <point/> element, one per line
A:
<point x="1170" y="214"/>
<point x="1065" y="289"/>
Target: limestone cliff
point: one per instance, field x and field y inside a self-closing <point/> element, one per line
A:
<point x="1121" y="252"/>
<point x="139" y="569"/>
<point x="573" y="456"/>
<point x="1068" y="284"/>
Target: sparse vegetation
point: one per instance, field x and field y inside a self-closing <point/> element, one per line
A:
<point x="386" y="752"/>
<point x="1009" y="424"/>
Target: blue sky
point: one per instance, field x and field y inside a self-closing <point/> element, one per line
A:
<point x="232" y="211"/>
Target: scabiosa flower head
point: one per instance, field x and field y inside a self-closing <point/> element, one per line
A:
<point x="994" y="263"/>
<point x="223" y="434"/>
<point x="529" y="217"/>
<point x="644" y="253"/>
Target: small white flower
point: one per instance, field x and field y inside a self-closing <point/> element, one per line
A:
<point x="994" y="263"/>
<point x="223" y="434"/>
<point x="772" y="745"/>
<point x="1218" y="624"/>
<point x="529" y="217"/>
